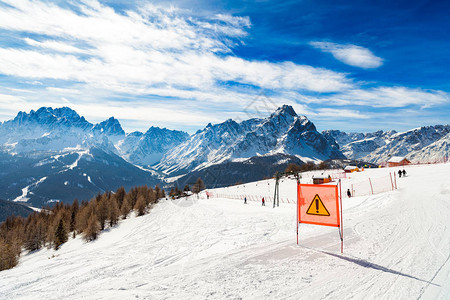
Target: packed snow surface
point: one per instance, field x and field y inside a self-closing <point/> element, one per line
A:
<point x="397" y="246"/>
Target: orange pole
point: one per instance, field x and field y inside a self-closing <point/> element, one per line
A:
<point x="342" y="220"/>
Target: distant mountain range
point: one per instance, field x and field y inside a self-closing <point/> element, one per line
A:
<point x="53" y="155"/>
<point x="283" y="132"/>
<point x="424" y="144"/>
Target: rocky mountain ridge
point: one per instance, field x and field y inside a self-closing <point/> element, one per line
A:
<point x="420" y="145"/>
<point x="283" y="132"/>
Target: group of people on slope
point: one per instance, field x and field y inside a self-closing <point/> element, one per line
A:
<point x="263" y="201"/>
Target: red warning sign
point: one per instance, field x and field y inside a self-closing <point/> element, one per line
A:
<point x="318" y="204"/>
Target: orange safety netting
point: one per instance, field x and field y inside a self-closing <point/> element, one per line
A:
<point x="318" y="204"/>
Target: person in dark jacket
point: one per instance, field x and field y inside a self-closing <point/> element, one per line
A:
<point x="349" y="194"/>
<point x="245" y="200"/>
<point x="399" y="173"/>
<point x="404" y="173"/>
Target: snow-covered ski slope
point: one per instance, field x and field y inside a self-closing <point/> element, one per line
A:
<point x="397" y="246"/>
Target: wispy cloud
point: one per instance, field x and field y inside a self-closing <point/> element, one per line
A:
<point x="349" y="54"/>
<point x="340" y="113"/>
<point x="393" y="97"/>
<point x="152" y="47"/>
<point x="56" y="46"/>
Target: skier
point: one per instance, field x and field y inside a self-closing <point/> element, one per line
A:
<point x="349" y="194"/>
<point x="399" y="173"/>
<point x="263" y="202"/>
<point x="404" y="173"/>
<point x="245" y="200"/>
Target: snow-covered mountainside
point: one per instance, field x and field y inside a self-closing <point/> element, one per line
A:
<point x="111" y="128"/>
<point x="148" y="148"/>
<point x="50" y="129"/>
<point x="343" y="138"/>
<point x="409" y="142"/>
<point x="396" y="246"/>
<point x="424" y="144"/>
<point x="42" y="178"/>
<point x="282" y="132"/>
<point x="356" y="145"/>
<point x="438" y="151"/>
<point x="53" y="155"/>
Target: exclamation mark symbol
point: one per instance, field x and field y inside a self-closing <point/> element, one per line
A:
<point x="317" y="205"/>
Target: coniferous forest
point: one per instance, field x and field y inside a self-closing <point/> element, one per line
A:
<point x="52" y="227"/>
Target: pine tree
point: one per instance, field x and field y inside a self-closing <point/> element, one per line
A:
<point x="73" y="223"/>
<point x="132" y="197"/>
<point x="60" y="234"/>
<point x="35" y="233"/>
<point x="92" y="229"/>
<point x="120" y="194"/>
<point x="141" y="205"/>
<point x="198" y="186"/>
<point x="8" y="257"/>
<point x="159" y="193"/>
<point x="83" y="215"/>
<point x="153" y="196"/>
<point x="73" y="219"/>
<point x="102" y="210"/>
<point x="113" y="212"/>
<point x="125" y="208"/>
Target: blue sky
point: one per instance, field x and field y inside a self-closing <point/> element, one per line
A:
<point x="349" y="65"/>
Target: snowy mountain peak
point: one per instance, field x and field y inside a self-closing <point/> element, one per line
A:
<point x="110" y="127"/>
<point x="152" y="131"/>
<point x="147" y="148"/>
<point x="48" y="117"/>
<point x="285" y="110"/>
<point x="303" y="124"/>
<point x="282" y="132"/>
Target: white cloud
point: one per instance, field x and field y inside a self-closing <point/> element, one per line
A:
<point x="340" y="113"/>
<point x="140" y="50"/>
<point x="391" y="97"/>
<point x="57" y="46"/>
<point x="235" y="21"/>
<point x="352" y="55"/>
